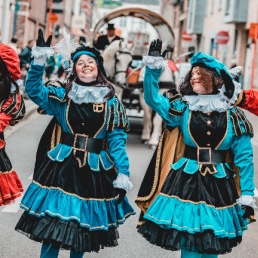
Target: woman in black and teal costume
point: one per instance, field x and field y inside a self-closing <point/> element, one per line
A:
<point x="198" y="209"/>
<point x="76" y="200"/>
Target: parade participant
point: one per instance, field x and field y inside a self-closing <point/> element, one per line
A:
<point x="12" y="110"/>
<point x="248" y="99"/>
<point x="104" y="40"/>
<point x="25" y="55"/>
<point x="76" y="200"/>
<point x="13" y="44"/>
<point x="50" y="67"/>
<point x="196" y="206"/>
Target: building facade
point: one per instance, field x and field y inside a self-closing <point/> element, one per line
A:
<point x="23" y="18"/>
<point x="226" y="29"/>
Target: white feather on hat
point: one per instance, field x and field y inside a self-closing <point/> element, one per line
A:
<point x="236" y="71"/>
<point x="66" y="47"/>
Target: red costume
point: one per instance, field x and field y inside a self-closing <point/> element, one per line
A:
<point x="249" y="100"/>
<point x="12" y="110"/>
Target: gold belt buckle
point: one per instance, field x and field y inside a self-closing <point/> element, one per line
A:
<point x="198" y="155"/>
<point x="98" y="108"/>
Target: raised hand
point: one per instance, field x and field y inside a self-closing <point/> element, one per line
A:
<point x="40" y="42"/>
<point x="155" y="48"/>
<point x="229" y="84"/>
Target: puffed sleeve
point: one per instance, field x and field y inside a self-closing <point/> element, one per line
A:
<point x="12" y="111"/>
<point x="169" y="106"/>
<point x="117" y="137"/>
<point x="48" y="98"/>
<point x="243" y="159"/>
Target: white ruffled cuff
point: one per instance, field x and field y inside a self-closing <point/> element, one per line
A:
<point x="154" y="62"/>
<point x="247" y="200"/>
<point x="41" y="54"/>
<point x="122" y="181"/>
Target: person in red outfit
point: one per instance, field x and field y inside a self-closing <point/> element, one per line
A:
<point x="12" y="110"/>
<point x="248" y="99"/>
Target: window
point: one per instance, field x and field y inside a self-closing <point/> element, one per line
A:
<point x="227" y="7"/>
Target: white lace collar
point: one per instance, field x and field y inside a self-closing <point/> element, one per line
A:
<point x="209" y="103"/>
<point x="88" y="94"/>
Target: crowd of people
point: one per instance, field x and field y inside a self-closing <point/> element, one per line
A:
<point x="197" y="194"/>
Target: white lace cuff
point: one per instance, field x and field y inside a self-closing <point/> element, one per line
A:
<point x="122" y="181"/>
<point x="154" y="62"/>
<point x="41" y="54"/>
<point x="247" y="200"/>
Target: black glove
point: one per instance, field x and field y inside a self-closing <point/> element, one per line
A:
<point x="40" y="42"/>
<point x="229" y="84"/>
<point x="249" y="213"/>
<point x="155" y="48"/>
<point x="121" y="192"/>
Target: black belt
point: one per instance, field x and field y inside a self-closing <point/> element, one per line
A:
<point x="83" y="142"/>
<point x="205" y="155"/>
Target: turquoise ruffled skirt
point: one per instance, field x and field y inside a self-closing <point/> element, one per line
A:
<point x="73" y="208"/>
<point x="195" y="213"/>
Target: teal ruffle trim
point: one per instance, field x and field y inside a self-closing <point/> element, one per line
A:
<point x="171" y="212"/>
<point x="90" y="213"/>
<point x="192" y="166"/>
<point x="62" y="151"/>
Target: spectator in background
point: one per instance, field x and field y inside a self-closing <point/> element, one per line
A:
<point x="104" y="40"/>
<point x="25" y="59"/>
<point x="50" y="67"/>
<point x="25" y="55"/>
<point x="60" y="67"/>
<point x="13" y="44"/>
